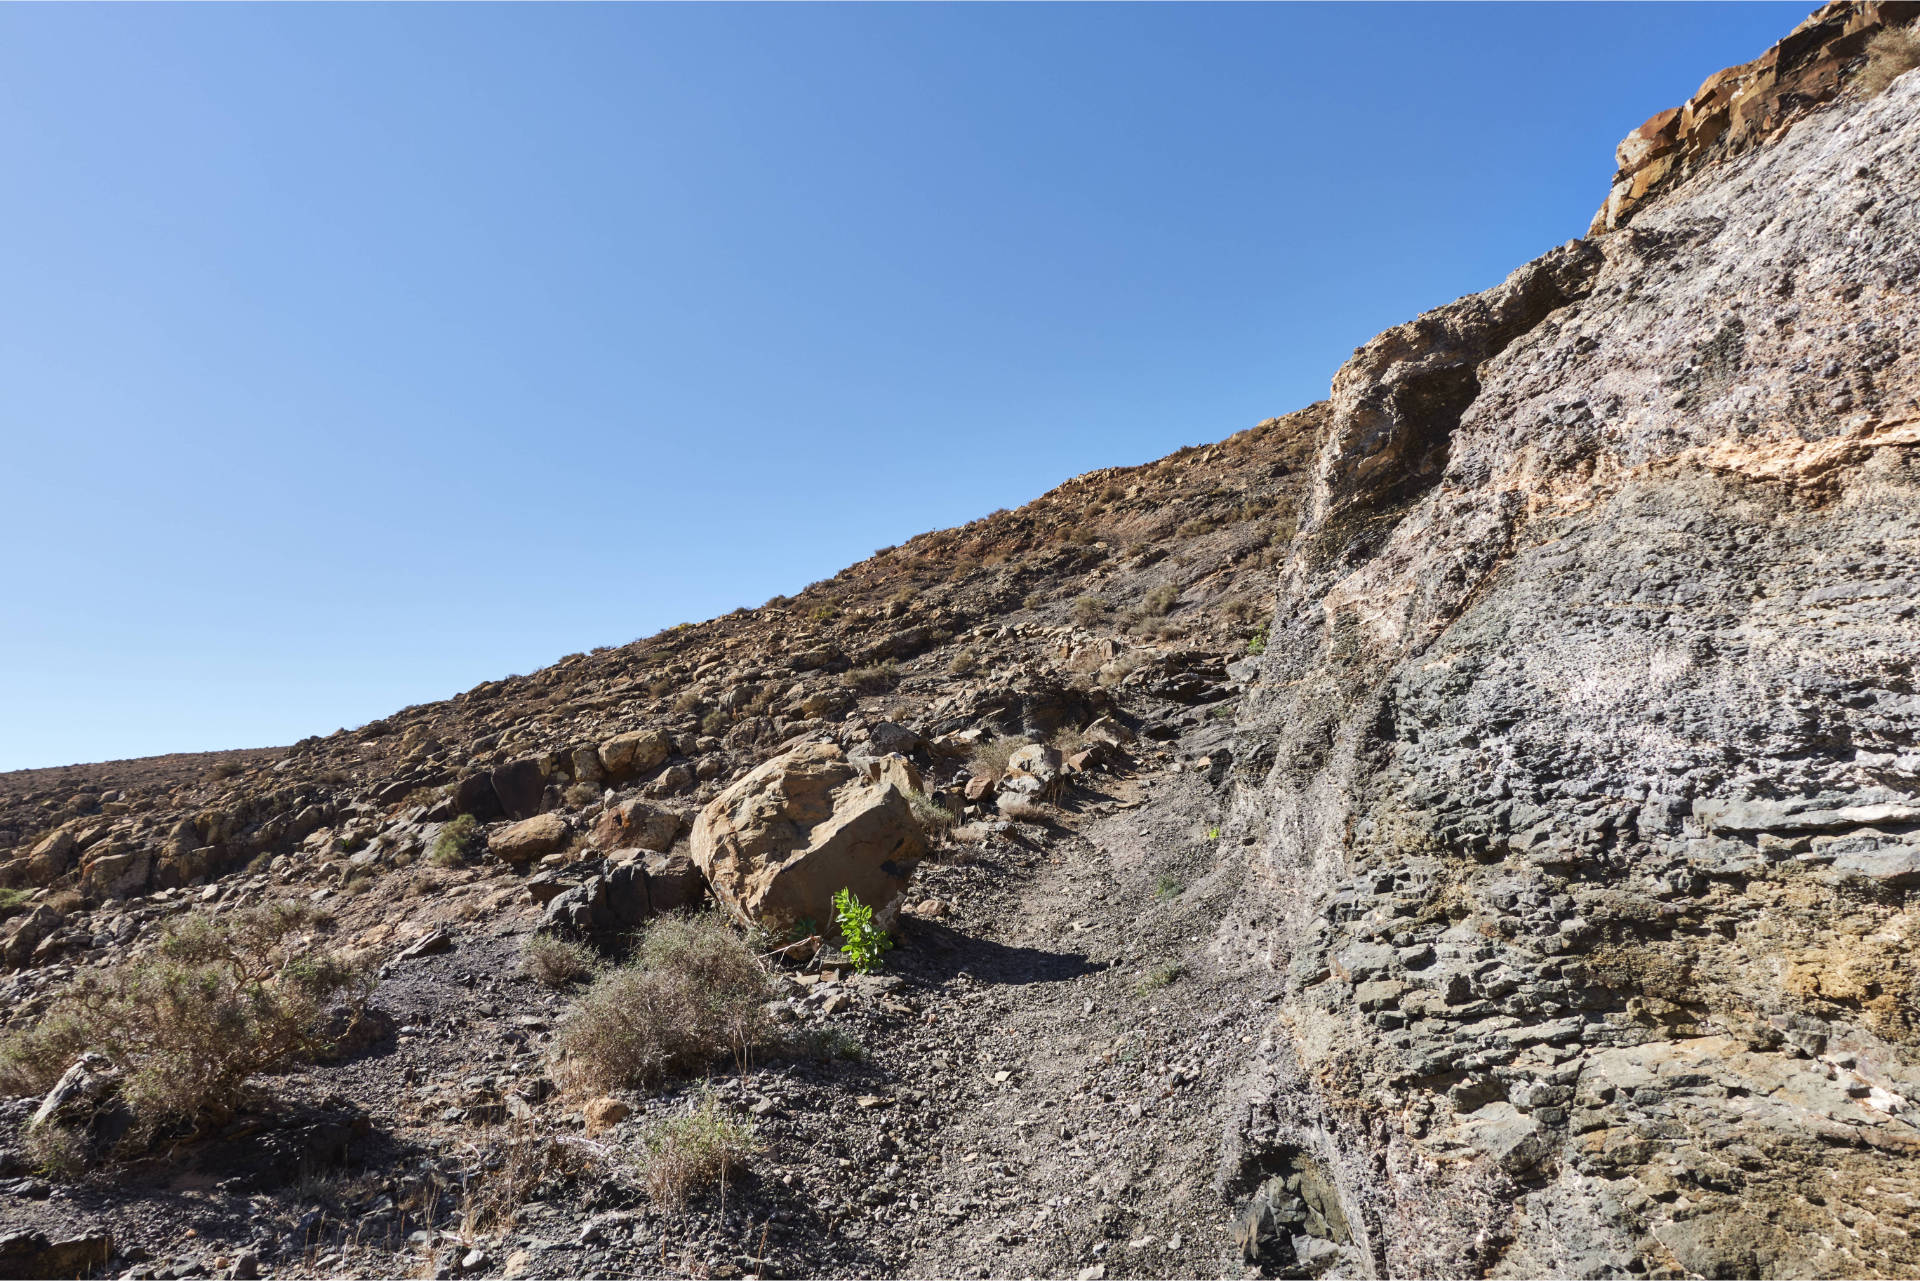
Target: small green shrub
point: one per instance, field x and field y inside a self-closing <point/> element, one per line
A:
<point x="824" y="613"/>
<point x="829" y="1041"/>
<point x="1257" y="643"/>
<point x="688" y="1154"/>
<point x="715" y="723"/>
<point x="58" y="1152"/>
<point x="963" y="662"/>
<point x="863" y="942"/>
<point x="458" y="841"/>
<point x="1168" y="886"/>
<point x="1161" y="975"/>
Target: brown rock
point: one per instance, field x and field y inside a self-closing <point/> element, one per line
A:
<point x="50" y="859"/>
<point x="776" y="845"/>
<point x="677" y="778"/>
<point x="519" y="786"/>
<point x="605" y="1113"/>
<point x="25" y="935"/>
<point x="674" y="882"/>
<point x="624" y="755"/>
<point x="529" y="839"/>
<point x="637" y="825"/>
<point x="117" y="874"/>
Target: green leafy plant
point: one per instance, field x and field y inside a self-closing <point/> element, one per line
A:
<point x="1257" y="643"/>
<point x="862" y="941"/>
<point x="458" y="841"/>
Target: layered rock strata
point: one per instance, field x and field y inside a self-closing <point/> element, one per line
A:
<point x="1583" y="764"/>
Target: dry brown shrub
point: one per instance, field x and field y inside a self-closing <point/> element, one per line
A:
<point x="222" y="1000"/>
<point x="517" y="1168"/>
<point x="1891" y="53"/>
<point x="877" y="679"/>
<point x="693" y="993"/>
<point x="553" y="962"/>
<point x="1088" y="610"/>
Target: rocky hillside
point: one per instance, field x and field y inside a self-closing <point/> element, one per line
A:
<point x="1464" y="827"/>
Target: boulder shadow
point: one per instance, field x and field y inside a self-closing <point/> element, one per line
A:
<point x="937" y="953"/>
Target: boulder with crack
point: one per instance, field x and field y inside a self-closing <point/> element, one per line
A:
<point x="777" y="844"/>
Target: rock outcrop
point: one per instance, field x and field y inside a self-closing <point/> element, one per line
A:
<point x="778" y="844"/>
<point x="1744" y="107"/>
<point x="1582" y="760"/>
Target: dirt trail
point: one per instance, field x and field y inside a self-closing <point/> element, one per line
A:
<point x="1079" y="1053"/>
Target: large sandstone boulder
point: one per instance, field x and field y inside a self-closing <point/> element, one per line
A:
<point x="529" y="839"/>
<point x="637" y="825"/>
<point x="116" y="873"/>
<point x="627" y="754"/>
<point x="49" y="860"/>
<point x="776" y="845"/>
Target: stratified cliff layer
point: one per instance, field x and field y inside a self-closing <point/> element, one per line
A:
<point x="1582" y="766"/>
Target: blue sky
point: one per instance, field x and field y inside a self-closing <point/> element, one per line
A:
<point x="352" y="355"/>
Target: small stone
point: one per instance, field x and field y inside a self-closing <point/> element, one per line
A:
<point x="605" y="1113"/>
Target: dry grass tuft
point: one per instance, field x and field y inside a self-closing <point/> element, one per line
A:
<point x="553" y="962"/>
<point x="692" y="994"/>
<point x="690" y="1153"/>
<point x="934" y="818"/>
<point x="991" y="757"/>
<point x="1891" y="53"/>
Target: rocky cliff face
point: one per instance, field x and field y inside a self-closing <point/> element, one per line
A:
<point x="1582" y="763"/>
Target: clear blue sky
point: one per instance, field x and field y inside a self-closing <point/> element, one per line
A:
<point x="352" y="355"/>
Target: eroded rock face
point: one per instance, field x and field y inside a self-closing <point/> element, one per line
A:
<point x="777" y="845"/>
<point x="1585" y="776"/>
<point x="1743" y="107"/>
